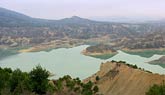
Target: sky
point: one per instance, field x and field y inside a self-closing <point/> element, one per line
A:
<point x="57" y="9"/>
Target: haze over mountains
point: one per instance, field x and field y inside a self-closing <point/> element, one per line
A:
<point x="11" y="18"/>
<point x="21" y="33"/>
<point x="125" y="19"/>
<point x="21" y="30"/>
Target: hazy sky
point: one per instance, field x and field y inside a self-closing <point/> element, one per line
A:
<point x="56" y="9"/>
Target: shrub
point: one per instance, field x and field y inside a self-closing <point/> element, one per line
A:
<point x="157" y="90"/>
<point x="97" y="78"/>
<point x="95" y="89"/>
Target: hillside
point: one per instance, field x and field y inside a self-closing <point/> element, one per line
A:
<point x="10" y="18"/>
<point x="116" y="78"/>
<point x="19" y="30"/>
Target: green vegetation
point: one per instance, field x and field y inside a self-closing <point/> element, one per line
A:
<point x="103" y="56"/>
<point x="74" y="86"/>
<point x="39" y="80"/>
<point x="22" y="83"/>
<point x="157" y="89"/>
<point x="36" y="82"/>
<point x="130" y="65"/>
<point x="146" y="53"/>
<point x="97" y="78"/>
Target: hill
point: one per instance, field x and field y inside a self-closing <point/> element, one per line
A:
<point x="12" y="18"/>
<point x="19" y="30"/>
<point x="117" y="78"/>
<point x="100" y="51"/>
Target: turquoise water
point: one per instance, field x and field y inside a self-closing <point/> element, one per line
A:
<point x="58" y="61"/>
<point x="70" y="61"/>
<point x="140" y="61"/>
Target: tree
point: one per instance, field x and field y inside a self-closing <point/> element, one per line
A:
<point x="87" y="88"/>
<point x="97" y="78"/>
<point x="4" y="77"/>
<point x="157" y="90"/>
<point x="18" y="82"/>
<point x="95" y="89"/>
<point x="39" y="80"/>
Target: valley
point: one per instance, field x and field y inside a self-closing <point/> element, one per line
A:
<point x="111" y="58"/>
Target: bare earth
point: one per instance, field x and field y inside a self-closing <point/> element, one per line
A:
<point x="119" y="79"/>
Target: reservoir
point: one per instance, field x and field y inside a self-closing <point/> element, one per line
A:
<point x="70" y="61"/>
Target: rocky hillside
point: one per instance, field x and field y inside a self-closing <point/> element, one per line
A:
<point x="19" y="30"/>
<point x="148" y="41"/>
<point x="117" y="78"/>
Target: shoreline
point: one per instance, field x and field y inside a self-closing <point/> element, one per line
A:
<point x="141" y="50"/>
<point x="46" y="47"/>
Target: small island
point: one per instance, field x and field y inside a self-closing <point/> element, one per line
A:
<point x="101" y="51"/>
<point x="160" y="61"/>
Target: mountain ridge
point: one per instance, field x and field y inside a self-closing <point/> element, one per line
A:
<point x="20" y="30"/>
<point x="13" y="18"/>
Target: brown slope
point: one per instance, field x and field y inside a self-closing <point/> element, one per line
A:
<point x="119" y="79"/>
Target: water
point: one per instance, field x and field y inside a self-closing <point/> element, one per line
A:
<point x="140" y="61"/>
<point x="58" y="61"/>
<point x="70" y="61"/>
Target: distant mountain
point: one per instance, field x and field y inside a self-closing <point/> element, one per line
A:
<point x="12" y="18"/>
<point x="9" y="18"/>
<point x="5" y="13"/>
<point x="32" y="31"/>
<point x="76" y="19"/>
<point x="123" y="19"/>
